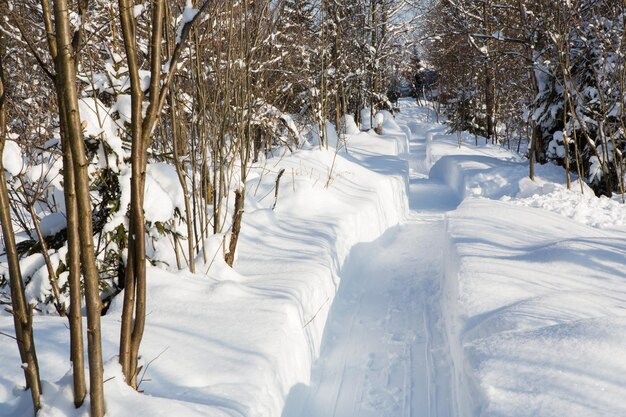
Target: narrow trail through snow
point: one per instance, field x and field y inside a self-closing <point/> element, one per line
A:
<point x="384" y="352"/>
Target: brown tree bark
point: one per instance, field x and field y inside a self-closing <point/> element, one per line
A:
<point x="21" y="311"/>
<point x="67" y="92"/>
<point x="77" y="351"/>
<point x="134" y="307"/>
<point x="135" y="268"/>
<point x="236" y="228"/>
<point x="178" y="142"/>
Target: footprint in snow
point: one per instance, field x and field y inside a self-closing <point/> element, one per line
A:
<point x="378" y="361"/>
<point x="380" y="399"/>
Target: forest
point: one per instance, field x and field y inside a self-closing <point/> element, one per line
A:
<point x="130" y="131"/>
<point x="98" y="98"/>
<point x="550" y="74"/>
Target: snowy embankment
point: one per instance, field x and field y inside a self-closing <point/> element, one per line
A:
<point x="532" y="297"/>
<point x="232" y="342"/>
<point x="534" y="292"/>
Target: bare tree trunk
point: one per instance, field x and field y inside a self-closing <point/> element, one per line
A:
<point x="22" y="313"/>
<point x="180" y="172"/>
<point x="234" y="236"/>
<point x="374" y="41"/>
<point x="490" y="99"/>
<point x="135" y="268"/>
<point x="77" y="351"/>
<point x="67" y="91"/>
<point x="535" y="130"/>
<point x="337" y="64"/>
<point x="566" y="139"/>
<point x="134" y="307"/>
<point x="177" y="140"/>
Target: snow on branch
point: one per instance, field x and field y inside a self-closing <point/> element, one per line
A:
<point x="189" y="18"/>
<point x="189" y="13"/>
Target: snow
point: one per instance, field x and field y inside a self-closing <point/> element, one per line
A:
<point x="498" y="35"/>
<point x="165" y="176"/>
<point x="95" y="117"/>
<point x="365" y="118"/>
<point x="97" y="123"/>
<point x="348" y="125"/>
<point x="158" y="206"/>
<point x="601" y="212"/>
<point x="234" y="342"/>
<point x="538" y="313"/>
<point x="137" y="10"/>
<point x="189" y="13"/>
<point x="533" y="291"/>
<point x="163" y="195"/>
<point x="385" y="366"/>
<point x="52" y="224"/>
<point x="123" y="107"/>
<point x="401" y="275"/>
<point x="12" y="159"/>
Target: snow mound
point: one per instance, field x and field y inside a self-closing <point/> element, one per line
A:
<point x="12" y="159"/>
<point x="52" y="224"/>
<point x="536" y="318"/>
<point x="347" y="125"/>
<point x="232" y="342"/>
<point x="533" y="293"/>
<point x="584" y="208"/>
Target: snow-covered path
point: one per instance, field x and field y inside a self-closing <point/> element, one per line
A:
<point x="409" y="275"/>
<point x="383" y="352"/>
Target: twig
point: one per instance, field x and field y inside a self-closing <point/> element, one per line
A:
<point x="145" y="369"/>
<point x="280" y="174"/>
<point x="316" y="313"/>
<point x="8" y="335"/>
<point x="221" y="246"/>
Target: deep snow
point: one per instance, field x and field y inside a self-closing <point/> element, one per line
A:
<point x="534" y="288"/>
<point x="401" y="275"/>
<point x="383" y="351"/>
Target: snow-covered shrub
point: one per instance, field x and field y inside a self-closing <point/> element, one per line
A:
<point x="588" y="85"/>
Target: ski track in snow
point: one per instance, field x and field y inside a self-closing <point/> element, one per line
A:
<point x="443" y="309"/>
<point x="384" y="352"/>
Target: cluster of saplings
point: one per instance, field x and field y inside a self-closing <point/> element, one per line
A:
<point x="95" y="94"/>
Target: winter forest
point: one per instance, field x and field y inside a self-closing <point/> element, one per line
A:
<point x="348" y="208"/>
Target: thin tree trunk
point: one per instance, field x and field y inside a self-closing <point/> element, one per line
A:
<point x="489" y="77"/>
<point x="135" y="268"/>
<point x="66" y="85"/>
<point x="22" y="313"/>
<point x="128" y="31"/>
<point x="77" y="351"/>
<point x="236" y="228"/>
<point x="374" y="41"/>
<point x="566" y="139"/>
<point x="180" y="172"/>
<point x="177" y="130"/>
<point x="141" y="132"/>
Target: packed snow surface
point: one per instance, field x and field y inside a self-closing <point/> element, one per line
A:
<point x="406" y="274"/>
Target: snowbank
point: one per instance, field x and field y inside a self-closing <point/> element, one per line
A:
<point x="533" y="294"/>
<point x="535" y="307"/>
<point x="532" y="297"/>
<point x="227" y="342"/>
